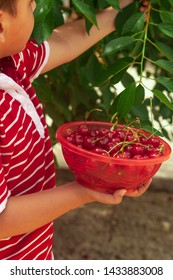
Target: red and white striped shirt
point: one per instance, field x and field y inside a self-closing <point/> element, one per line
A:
<point x="26" y="156"/>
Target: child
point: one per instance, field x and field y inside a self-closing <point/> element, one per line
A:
<point x="29" y="200"/>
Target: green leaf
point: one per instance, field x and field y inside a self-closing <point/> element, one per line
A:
<point x="47" y="16"/>
<point x="141" y="112"/>
<point x="93" y="66"/>
<point x="165" y="64"/>
<point x="86" y="10"/>
<point x="121" y="18"/>
<point x="165" y="50"/>
<point x="57" y="13"/>
<point x="107" y="97"/>
<point x="134" y="24"/>
<point x="166" y="16"/>
<point x="88" y="25"/>
<point x="43" y="89"/>
<point x="114" y="4"/>
<point x="166" y="82"/>
<point x="43" y="11"/>
<point x="113" y="70"/>
<point x="162" y="98"/>
<point x="127" y="79"/>
<point x="117" y="44"/>
<point x="118" y="77"/>
<point x="126" y="100"/>
<point x="42" y="31"/>
<point x="166" y="28"/>
<point x="113" y="107"/>
<point x="139" y="95"/>
<point x="170" y="2"/>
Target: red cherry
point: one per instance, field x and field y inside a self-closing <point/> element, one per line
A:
<point x="96" y="150"/>
<point x="121" y="134"/>
<point x="129" y="137"/>
<point x="138" y="157"/>
<point x="78" y="139"/>
<point x="109" y="142"/>
<point x="153" y="141"/>
<point x="104" y="153"/>
<point x="69" y="138"/>
<point x="110" y="135"/>
<point x="143" y="140"/>
<point x="154" y="155"/>
<point x="99" y="151"/>
<point x="88" y="142"/>
<point x="83" y="129"/>
<point x="126" y="154"/>
<point x="94" y="132"/>
<point x="79" y="146"/>
<point x="128" y="148"/>
<point x="112" y="147"/>
<point x="103" y="131"/>
<point x="103" y="142"/>
<point x="149" y="149"/>
<point x="122" y="155"/>
<point x="116" y="140"/>
<point x="145" y="156"/>
<point x="137" y="150"/>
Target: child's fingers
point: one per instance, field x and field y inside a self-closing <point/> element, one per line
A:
<point x="140" y="190"/>
<point x="118" y="196"/>
<point x="114" y="198"/>
<point x="105" y="198"/>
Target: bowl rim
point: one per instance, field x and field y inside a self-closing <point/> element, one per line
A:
<point x="80" y="151"/>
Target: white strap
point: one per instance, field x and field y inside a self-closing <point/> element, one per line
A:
<point x="18" y="93"/>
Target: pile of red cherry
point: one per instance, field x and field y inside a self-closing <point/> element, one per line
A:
<point x="120" y="142"/>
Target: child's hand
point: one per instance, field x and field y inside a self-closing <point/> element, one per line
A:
<point x="143" y="4"/>
<point x="124" y="3"/>
<point x="140" y="190"/>
<point x="117" y="196"/>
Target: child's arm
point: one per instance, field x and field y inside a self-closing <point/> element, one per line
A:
<point x="70" y="40"/>
<point x="28" y="212"/>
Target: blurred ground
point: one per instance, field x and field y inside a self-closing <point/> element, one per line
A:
<point x="136" y="229"/>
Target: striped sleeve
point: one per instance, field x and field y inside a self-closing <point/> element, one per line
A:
<point x="35" y="58"/>
<point x="4" y="192"/>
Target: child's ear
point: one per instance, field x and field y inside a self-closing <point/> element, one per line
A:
<point x="2" y="27"/>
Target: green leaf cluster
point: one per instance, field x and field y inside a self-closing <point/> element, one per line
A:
<point x="141" y="44"/>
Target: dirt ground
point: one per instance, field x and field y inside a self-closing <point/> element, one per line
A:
<point x="137" y="229"/>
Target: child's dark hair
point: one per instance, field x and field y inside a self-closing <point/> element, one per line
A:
<point x="8" y="5"/>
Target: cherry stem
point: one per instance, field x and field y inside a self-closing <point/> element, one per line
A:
<point x="88" y="113"/>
